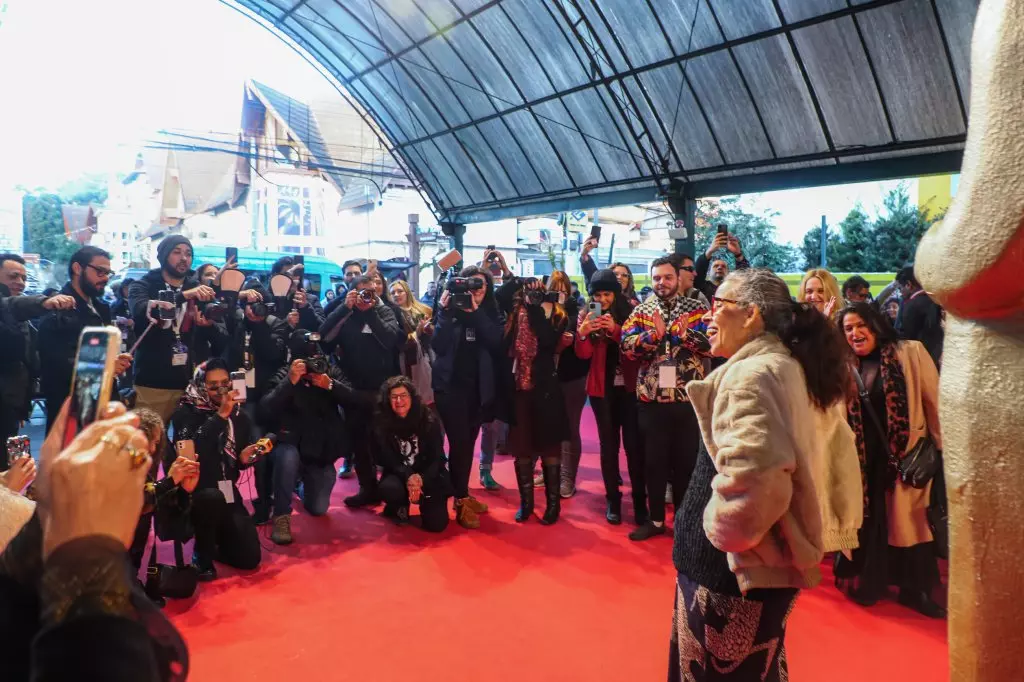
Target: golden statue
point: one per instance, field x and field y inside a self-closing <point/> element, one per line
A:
<point x="973" y="264"/>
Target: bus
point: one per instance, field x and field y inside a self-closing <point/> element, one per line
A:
<point x="320" y="273"/>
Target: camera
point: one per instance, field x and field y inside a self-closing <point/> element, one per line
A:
<point x="539" y="296"/>
<point x="260" y="308"/>
<point x="460" y="288"/>
<point x="18" y="447"/>
<point x="367" y="295"/>
<point x="316" y="361"/>
<point x="215" y="310"/>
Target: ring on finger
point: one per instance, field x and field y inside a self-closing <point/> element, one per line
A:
<point x="138" y="457"/>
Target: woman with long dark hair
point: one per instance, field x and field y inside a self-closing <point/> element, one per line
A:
<point x="900" y="411"/>
<point x="410" y="452"/>
<point x="751" y="530"/>
<point x="467" y="344"/>
<point x="533" y="337"/>
<point x="611" y="385"/>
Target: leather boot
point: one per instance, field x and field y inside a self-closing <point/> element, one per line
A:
<point x="613" y="514"/>
<point x="552" y="479"/>
<point x="524" y="479"/>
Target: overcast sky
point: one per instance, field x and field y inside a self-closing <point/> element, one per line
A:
<point x="83" y="81"/>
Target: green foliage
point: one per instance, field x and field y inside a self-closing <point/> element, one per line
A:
<point x="884" y="245"/>
<point x="756" y="233"/>
<point x="44" y="227"/>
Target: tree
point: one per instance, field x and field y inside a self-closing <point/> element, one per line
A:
<point x="811" y="247"/>
<point x="44" y="227"/>
<point x="855" y="250"/>
<point x="898" y="229"/>
<point x="755" y="232"/>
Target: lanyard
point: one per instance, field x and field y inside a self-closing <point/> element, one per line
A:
<point x="246" y="355"/>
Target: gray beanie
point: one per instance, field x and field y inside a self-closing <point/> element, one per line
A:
<point x="168" y="244"/>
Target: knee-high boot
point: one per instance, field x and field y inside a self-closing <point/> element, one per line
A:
<point x="524" y="479"/>
<point x="551" y="492"/>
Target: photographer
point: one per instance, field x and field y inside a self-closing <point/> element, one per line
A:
<point x="302" y="401"/>
<point x="410" y="449"/>
<point x="611" y="385"/>
<point x="534" y="337"/>
<point x="162" y="361"/>
<point x="368" y="336"/>
<point x="121" y="314"/>
<point x="222" y="437"/>
<point x="306" y="304"/>
<point x="467" y="344"/>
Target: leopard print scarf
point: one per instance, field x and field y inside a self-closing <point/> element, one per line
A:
<point x="896" y="418"/>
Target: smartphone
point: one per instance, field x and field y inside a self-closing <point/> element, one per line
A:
<point x="238" y="385"/>
<point x="723" y="228"/>
<point x="18" y="447"/>
<point x="165" y="313"/>
<point x="231" y="254"/>
<point x="186" y="448"/>
<point x="93" y="377"/>
<point x="299" y="259"/>
<point x="449" y="259"/>
<point x="593" y="310"/>
<point x="595" y="231"/>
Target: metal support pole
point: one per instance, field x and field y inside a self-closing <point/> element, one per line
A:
<point x="456" y="233"/>
<point x="824" y="242"/>
<point x="414" y="253"/>
<point x="684" y="215"/>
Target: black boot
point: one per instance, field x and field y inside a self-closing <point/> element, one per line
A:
<point x="921" y="601"/>
<point x="640" y="513"/>
<point x="613" y="514"/>
<point x="552" y="473"/>
<point x="524" y="479"/>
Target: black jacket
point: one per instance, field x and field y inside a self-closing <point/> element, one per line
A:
<point x="700" y="279"/>
<point x="153" y="367"/>
<point x="570" y="366"/>
<point x="450" y="333"/>
<point x="19" y="363"/>
<point x="308" y="417"/>
<point x="429" y="460"/>
<point x="209" y="431"/>
<point x="268" y="348"/>
<point x="367" y="341"/>
<point x="547" y="405"/>
<point x="921" y="320"/>
<point x="58" y="342"/>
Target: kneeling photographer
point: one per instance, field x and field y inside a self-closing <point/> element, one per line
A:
<point x="302" y="399"/>
<point x="410" y="449"/>
<point x="533" y="336"/>
<point x="367" y="336"/>
<point x="209" y="427"/>
<point x="467" y="344"/>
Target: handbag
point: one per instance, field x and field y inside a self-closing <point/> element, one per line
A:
<point x="177" y="582"/>
<point x="938" y="516"/>
<point x="918" y="467"/>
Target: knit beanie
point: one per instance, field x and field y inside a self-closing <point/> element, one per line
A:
<point x="604" y="280"/>
<point x="168" y="244"/>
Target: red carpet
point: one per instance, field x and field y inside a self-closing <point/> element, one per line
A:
<point x="356" y="598"/>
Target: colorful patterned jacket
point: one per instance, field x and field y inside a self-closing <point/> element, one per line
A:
<point x="685" y="345"/>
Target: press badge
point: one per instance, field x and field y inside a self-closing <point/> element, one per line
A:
<point x="619" y="379"/>
<point x="667" y="376"/>
<point x="180" y="355"/>
<point x="250" y="378"/>
<point x="227" y="490"/>
<point x="470" y="334"/>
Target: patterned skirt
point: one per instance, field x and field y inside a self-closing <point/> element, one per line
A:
<point x="718" y="638"/>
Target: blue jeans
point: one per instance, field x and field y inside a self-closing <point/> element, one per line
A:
<point x="492" y="435"/>
<point x="317" y="482"/>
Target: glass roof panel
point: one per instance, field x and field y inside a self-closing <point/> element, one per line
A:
<point x="448" y="179"/>
<point x="630" y="20"/>
<point x="320" y="52"/>
<point x="904" y="43"/>
<point x="452" y="68"/>
<point x="605" y="140"/>
<point x="739" y="18"/>
<point x="571" y="145"/>
<point x="542" y="155"/>
<point x="653" y="122"/>
<point x="339" y="24"/>
<point x="551" y="46"/>
<point x="683" y="118"/>
<point x="679" y="15"/>
<point x="470" y="5"/>
<point x="512" y="156"/>
<point x="439" y="89"/>
<point x="731" y="114"/>
<point x="487" y="69"/>
<point x="481" y="151"/>
<point x="418" y="106"/>
<point x="508" y="44"/>
<point x="369" y="16"/>
<point x="330" y="39"/>
<point x="400" y="129"/>
<point x="596" y="33"/>
<point x="471" y="178"/>
<point x="841" y="77"/>
<point x="419" y="23"/>
<point x="781" y="94"/>
<point x="610" y="105"/>
<point x="958" y="23"/>
<point x="798" y="10"/>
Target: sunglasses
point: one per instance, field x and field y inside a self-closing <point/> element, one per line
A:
<point x="688" y="268"/>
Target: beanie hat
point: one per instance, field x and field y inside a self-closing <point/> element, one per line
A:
<point x="168" y="244"/>
<point x="604" y="280"/>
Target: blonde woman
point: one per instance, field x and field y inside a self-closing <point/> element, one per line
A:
<point x="820" y="288"/>
<point x="416" y="358"/>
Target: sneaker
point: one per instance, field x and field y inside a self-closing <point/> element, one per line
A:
<point x="464" y="514"/>
<point x="476" y="505"/>
<point x="282" y="533"/>
<point x="346" y="470"/>
<point x="566" y="489"/>
<point x="647" y="531"/>
<point x="363" y="498"/>
<point x="487" y="481"/>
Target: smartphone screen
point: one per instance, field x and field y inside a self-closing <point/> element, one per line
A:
<point x="230" y="253"/>
<point x="238" y="386"/>
<point x="94" y="374"/>
<point x="595" y="232"/>
<point x="166" y="297"/>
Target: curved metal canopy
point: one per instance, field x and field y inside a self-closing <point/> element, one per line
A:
<point x="513" y="107"/>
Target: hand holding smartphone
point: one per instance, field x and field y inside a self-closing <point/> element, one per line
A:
<point x="93" y="378"/>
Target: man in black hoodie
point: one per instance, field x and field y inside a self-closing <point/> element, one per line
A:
<point x="163" y="365"/>
<point x="88" y="273"/>
<point x="306" y="304"/>
<point x="367" y="336"/>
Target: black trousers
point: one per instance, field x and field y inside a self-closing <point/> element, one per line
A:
<point x="140" y="540"/>
<point x="460" y="414"/>
<point x="433" y="507"/>
<point x="616" y="414"/>
<point x="224" y="532"/>
<point x="671" y="440"/>
<point x="359" y="422"/>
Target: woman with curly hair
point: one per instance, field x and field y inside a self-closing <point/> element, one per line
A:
<point x="820" y="288"/>
<point x="410" y="451"/>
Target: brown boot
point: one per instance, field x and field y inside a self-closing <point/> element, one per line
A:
<point x="465" y="515"/>
<point x="476" y="505"/>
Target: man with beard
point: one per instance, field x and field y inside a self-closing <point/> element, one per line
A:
<point x="19" y="362"/>
<point x="88" y="273"/>
<point x="163" y="363"/>
<point x="665" y="333"/>
<point x="719" y="266"/>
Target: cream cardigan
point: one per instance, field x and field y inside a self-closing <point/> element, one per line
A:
<point x="788" y="486"/>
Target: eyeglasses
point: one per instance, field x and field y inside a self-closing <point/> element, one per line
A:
<point x="102" y="272"/>
<point x="688" y="268"/>
<point x="716" y="301"/>
<point x="400" y="397"/>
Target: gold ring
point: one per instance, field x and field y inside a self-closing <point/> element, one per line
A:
<point x="138" y="458"/>
<point x="110" y="440"/>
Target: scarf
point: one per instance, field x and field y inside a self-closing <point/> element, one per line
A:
<point x="197" y="398"/>
<point x="524" y="350"/>
<point x="896" y="417"/>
